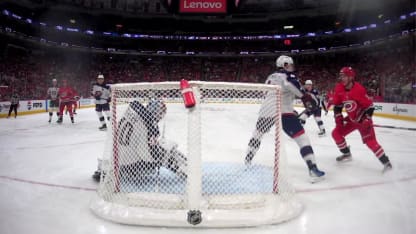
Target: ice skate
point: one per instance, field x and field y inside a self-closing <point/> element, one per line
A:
<point x="344" y="158"/>
<point x="103" y="127"/>
<point x="316" y="175"/>
<point x="59" y="120"/>
<point x="322" y="133"/>
<point x="72" y="120"/>
<point x="387" y="167"/>
<point x="97" y="176"/>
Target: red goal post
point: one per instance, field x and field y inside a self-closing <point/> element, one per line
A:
<point x="198" y="177"/>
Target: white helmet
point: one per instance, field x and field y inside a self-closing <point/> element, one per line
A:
<point x="280" y="62"/>
<point x="308" y="82"/>
<point x="157" y="108"/>
<point x="100" y="76"/>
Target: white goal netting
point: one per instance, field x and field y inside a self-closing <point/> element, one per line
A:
<point x="167" y="165"/>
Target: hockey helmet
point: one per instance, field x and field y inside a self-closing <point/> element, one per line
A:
<point x="100" y="76"/>
<point x="54" y="80"/>
<point x="157" y="108"/>
<point x="348" y="71"/>
<point x="308" y="82"/>
<point x="282" y="60"/>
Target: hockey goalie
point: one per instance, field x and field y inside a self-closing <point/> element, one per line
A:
<point x="141" y="150"/>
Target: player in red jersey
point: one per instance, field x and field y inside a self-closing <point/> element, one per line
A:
<point x="352" y="96"/>
<point x="66" y="96"/>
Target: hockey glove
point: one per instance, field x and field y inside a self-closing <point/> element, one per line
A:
<point x="339" y="118"/>
<point x="309" y="102"/>
<point x="366" y="119"/>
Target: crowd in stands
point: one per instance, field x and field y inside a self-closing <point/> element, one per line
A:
<point x="389" y="75"/>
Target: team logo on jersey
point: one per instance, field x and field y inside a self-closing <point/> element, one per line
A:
<point x="350" y="106"/>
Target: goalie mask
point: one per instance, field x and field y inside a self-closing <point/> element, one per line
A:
<point x="157" y="108"/>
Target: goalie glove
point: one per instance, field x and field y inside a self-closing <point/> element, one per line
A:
<point x="310" y="102"/>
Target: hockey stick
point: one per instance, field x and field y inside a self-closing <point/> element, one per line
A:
<point x="394" y="127"/>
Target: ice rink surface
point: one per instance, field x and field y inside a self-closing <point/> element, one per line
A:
<point x="46" y="185"/>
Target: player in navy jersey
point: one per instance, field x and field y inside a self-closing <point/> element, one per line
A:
<point x="317" y="111"/>
<point x="53" y="99"/>
<point x="101" y="93"/>
<point x="291" y="89"/>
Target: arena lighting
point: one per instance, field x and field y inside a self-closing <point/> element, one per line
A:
<point x="387" y="21"/>
<point x="321" y="49"/>
<point x="43" y="24"/>
<point x="294" y="51"/>
<point x="361" y="28"/>
<point x="402" y="17"/>
<point x="311" y="34"/>
<point x="58" y="27"/>
<point x="412" y="13"/>
<point x="107" y="33"/>
<point x="243" y="52"/>
<point x="367" y="42"/>
<point x="405" y="32"/>
<point x="72" y="29"/>
<point x="373" y="26"/>
<point x="126" y="35"/>
<point x="189" y="52"/>
<point x="72" y="21"/>
<point x="90" y="32"/>
<point x="288" y="27"/>
<point x="28" y="20"/>
<point x="6" y="12"/>
<point x="347" y="30"/>
<point x="161" y="52"/>
<point x="277" y="36"/>
<point x="329" y="32"/>
<point x="16" y="16"/>
<point x="292" y="35"/>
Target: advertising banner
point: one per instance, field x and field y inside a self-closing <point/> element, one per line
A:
<point x="203" y="6"/>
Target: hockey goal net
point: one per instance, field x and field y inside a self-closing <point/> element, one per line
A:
<point x="167" y="165"/>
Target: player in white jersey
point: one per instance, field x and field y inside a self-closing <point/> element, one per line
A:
<point x="317" y="112"/>
<point x="53" y="99"/>
<point x="291" y="89"/>
<point x="141" y="149"/>
<point x="102" y="95"/>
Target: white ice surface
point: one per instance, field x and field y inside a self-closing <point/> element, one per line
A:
<point x="46" y="185"/>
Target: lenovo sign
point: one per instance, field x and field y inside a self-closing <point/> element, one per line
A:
<point x="203" y="6"/>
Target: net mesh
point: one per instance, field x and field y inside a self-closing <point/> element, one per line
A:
<point x="166" y="158"/>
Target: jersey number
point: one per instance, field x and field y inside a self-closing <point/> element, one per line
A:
<point x="126" y="129"/>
